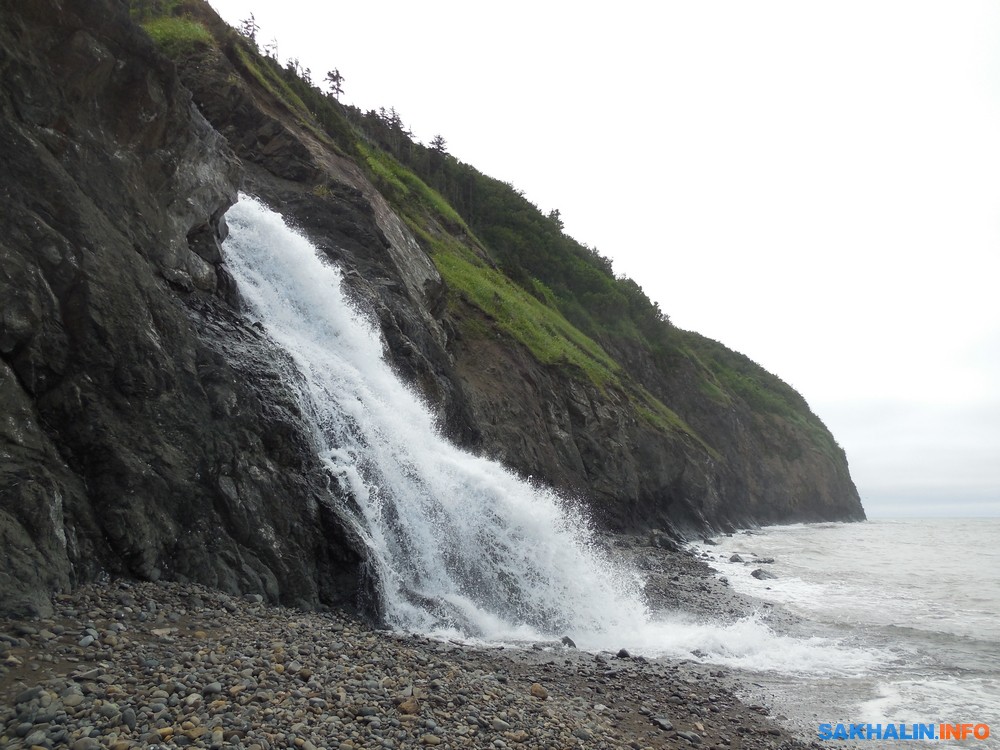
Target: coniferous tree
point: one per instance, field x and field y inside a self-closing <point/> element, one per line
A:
<point x="249" y="28"/>
<point x="439" y="144"/>
<point x="336" y="83"/>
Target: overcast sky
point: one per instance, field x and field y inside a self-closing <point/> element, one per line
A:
<point x="814" y="184"/>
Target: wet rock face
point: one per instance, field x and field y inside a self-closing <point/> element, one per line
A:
<point x="144" y="426"/>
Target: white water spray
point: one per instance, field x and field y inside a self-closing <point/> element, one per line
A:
<point x="460" y="543"/>
<point x="461" y="546"/>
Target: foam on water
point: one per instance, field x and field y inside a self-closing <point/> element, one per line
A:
<point x="884" y="572"/>
<point x="748" y="643"/>
<point x="948" y="699"/>
<point x="460" y="546"/>
<point x="921" y="594"/>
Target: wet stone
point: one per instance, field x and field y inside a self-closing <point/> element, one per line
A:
<point x="266" y="678"/>
<point x="27" y="695"/>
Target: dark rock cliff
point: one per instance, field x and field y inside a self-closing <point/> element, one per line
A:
<point x="146" y="430"/>
<point x="738" y="466"/>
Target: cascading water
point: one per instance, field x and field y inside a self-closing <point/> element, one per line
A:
<point x="460" y="544"/>
<point x="461" y="547"/>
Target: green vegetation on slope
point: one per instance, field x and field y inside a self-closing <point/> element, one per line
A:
<point x="267" y="76"/>
<point x="403" y="186"/>
<point x="528" y="246"/>
<point x="177" y="35"/>
<point x="732" y="372"/>
<point x="546" y="333"/>
<point x="533" y="322"/>
<point x="497" y="250"/>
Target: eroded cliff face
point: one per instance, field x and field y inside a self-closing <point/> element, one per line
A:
<point x="145" y="429"/>
<point x="732" y="466"/>
<point x="148" y="429"/>
<point x="491" y="395"/>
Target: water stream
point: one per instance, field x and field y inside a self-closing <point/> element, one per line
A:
<point x="459" y="542"/>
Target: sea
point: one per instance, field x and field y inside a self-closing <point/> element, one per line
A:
<point x="895" y="622"/>
<point x="876" y="622"/>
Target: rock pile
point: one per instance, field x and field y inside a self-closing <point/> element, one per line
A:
<point x="159" y="665"/>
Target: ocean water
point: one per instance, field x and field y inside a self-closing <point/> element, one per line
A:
<point x="913" y="604"/>
<point x="897" y="621"/>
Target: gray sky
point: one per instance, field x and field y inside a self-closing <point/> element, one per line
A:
<point x="814" y="184"/>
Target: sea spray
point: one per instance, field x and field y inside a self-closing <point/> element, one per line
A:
<point x="459" y="542"/>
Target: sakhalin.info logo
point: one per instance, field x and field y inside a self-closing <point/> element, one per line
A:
<point x="904" y="731"/>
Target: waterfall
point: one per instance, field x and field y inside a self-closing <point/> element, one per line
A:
<point x="460" y="544"/>
<point x="461" y="547"/>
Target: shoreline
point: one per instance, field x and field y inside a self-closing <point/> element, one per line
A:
<point x="135" y="664"/>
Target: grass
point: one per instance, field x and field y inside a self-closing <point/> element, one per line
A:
<point x="263" y="72"/>
<point x="178" y="35"/>
<point x="381" y="167"/>
<point x="541" y="329"/>
<point x="273" y="83"/>
<point x="530" y="319"/>
<point x="731" y="373"/>
<point x="407" y="187"/>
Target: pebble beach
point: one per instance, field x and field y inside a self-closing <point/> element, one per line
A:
<point x="127" y="664"/>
